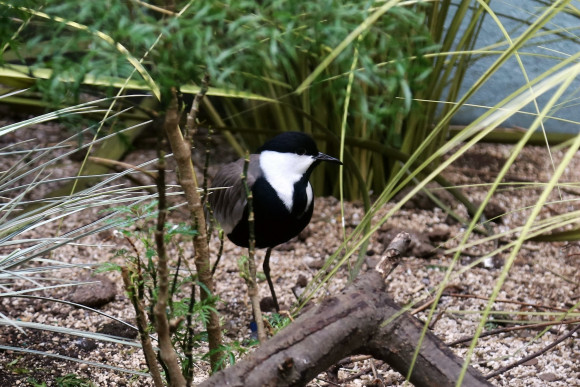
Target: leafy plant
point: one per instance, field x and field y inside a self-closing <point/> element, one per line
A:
<point x="25" y="261"/>
<point x="230" y="353"/>
<point x="278" y="321"/>
<point x="263" y="50"/>
<point x="73" y="380"/>
<point x="141" y="258"/>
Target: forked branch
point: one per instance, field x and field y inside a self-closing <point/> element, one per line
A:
<point x="349" y="324"/>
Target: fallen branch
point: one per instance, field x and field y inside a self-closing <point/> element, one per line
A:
<point x="349" y="324"/>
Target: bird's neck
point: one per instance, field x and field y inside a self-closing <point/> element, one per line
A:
<point x="288" y="175"/>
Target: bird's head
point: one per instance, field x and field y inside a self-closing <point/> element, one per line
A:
<point x="293" y="153"/>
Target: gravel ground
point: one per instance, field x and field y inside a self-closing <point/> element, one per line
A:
<point x="543" y="274"/>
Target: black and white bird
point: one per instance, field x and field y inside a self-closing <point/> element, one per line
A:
<point x="282" y="195"/>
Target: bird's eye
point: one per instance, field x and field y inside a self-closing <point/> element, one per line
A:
<point x="301" y="152"/>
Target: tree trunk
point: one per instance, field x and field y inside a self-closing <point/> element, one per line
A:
<point x="345" y="325"/>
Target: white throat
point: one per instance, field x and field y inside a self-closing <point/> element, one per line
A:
<point x="282" y="171"/>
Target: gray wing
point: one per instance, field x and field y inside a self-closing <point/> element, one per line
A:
<point x="229" y="201"/>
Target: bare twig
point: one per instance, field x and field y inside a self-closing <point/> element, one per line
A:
<point x="167" y="351"/>
<point x="511" y="329"/>
<point x="219" y="254"/>
<point x="436" y="319"/>
<point x="191" y="123"/>
<point x="189" y="340"/>
<point x="358" y="374"/>
<point x="535" y="354"/>
<point x="141" y="319"/>
<point x="538" y="306"/>
<point x="251" y="278"/>
<point x="422" y="307"/>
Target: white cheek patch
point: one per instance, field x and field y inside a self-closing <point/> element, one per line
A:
<point x="283" y="170"/>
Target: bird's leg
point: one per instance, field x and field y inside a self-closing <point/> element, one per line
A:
<point x="266" y="267"/>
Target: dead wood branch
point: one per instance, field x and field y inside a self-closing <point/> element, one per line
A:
<point x="349" y="324"/>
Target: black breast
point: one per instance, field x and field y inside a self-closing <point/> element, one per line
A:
<point x="274" y="224"/>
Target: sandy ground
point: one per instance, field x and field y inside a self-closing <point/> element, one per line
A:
<point x="543" y="274"/>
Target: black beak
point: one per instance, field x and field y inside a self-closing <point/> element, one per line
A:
<point x="324" y="157"/>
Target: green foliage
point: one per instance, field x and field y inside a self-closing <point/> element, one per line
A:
<point x="187" y="315"/>
<point x="231" y="351"/>
<point x="73" y="380"/>
<point x="15" y="368"/>
<point x="264" y="48"/>
<point x="110" y="266"/>
<point x="35" y="383"/>
<point x="278" y="321"/>
<point x="237" y="42"/>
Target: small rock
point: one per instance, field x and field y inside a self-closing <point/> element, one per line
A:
<point x="549" y="377"/>
<point x="288" y="246"/>
<point x="440" y="232"/>
<point x="301" y="284"/>
<point x="116" y="328"/>
<point x="531" y="362"/>
<point x="267" y="304"/>
<point x="312" y="262"/>
<point x="451" y="289"/>
<point x="302" y="281"/>
<point x="419" y="201"/>
<point x="495" y="262"/>
<point x="86" y="344"/>
<point x="304" y="234"/>
<point x="422" y="249"/>
<point x="96" y="294"/>
<point x="493" y="211"/>
<point x="374" y="383"/>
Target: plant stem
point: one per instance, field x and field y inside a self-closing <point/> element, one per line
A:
<point x="251" y="278"/>
<point x="182" y="151"/>
<point x="189" y="339"/>
<point x="150" y="357"/>
<point x="167" y="351"/>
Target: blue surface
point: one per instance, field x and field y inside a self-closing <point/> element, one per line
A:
<point x="510" y="76"/>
